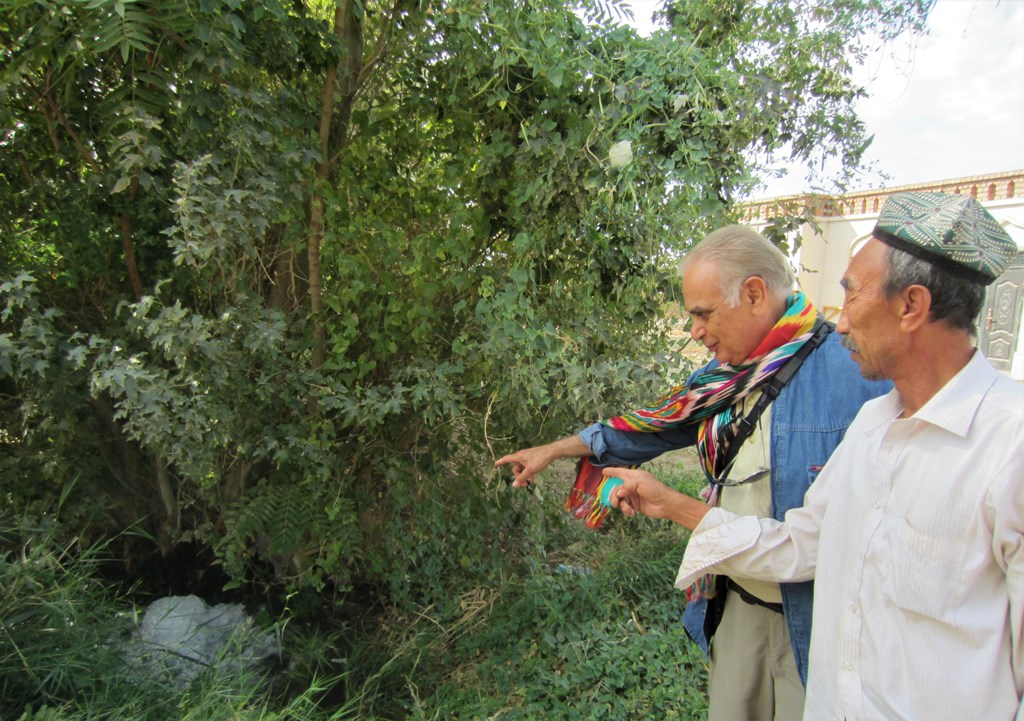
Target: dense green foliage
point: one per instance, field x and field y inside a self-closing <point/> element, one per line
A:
<point x="590" y="632"/>
<point x="62" y="638"/>
<point x="279" y="280"/>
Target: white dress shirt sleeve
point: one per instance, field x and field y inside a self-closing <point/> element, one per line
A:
<point x="760" y="548"/>
<point x="1005" y="513"/>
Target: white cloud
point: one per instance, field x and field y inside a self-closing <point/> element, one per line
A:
<point x="954" y="105"/>
<point x="946" y="105"/>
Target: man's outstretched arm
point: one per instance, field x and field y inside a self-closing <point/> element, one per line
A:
<point x="527" y="463"/>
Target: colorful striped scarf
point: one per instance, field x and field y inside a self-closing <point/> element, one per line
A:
<point x="711" y="399"/>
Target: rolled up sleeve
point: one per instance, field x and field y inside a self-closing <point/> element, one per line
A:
<point x="750" y="547"/>
<point x="718" y="537"/>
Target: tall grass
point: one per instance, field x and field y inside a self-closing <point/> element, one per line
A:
<point x="588" y="628"/>
<point x="62" y="634"/>
<point x="591" y="630"/>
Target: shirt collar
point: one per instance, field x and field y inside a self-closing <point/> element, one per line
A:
<point x="956" y="404"/>
<point x="882" y="411"/>
<point x="953" y="408"/>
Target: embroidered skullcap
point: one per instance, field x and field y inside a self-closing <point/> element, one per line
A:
<point x="953" y="232"/>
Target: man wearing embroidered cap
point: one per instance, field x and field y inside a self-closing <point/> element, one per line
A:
<point x="914" y="531"/>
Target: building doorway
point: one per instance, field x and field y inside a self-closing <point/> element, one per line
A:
<point x="999" y="323"/>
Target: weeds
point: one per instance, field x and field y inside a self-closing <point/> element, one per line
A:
<point x="61" y="642"/>
<point x="585" y="625"/>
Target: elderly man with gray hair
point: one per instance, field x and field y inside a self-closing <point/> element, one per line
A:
<point x="914" y="532"/>
<point x="764" y="416"/>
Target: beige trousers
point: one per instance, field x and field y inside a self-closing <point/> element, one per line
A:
<point x="753" y="673"/>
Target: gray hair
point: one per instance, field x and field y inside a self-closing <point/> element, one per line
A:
<point x="955" y="300"/>
<point x="740" y="252"/>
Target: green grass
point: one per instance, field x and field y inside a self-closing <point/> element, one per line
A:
<point x="61" y="634"/>
<point x="585" y="628"/>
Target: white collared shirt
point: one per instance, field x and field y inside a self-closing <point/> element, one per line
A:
<point x="914" y="533"/>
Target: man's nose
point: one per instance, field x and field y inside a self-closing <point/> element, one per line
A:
<point x="843" y="324"/>
<point x="697" y="329"/>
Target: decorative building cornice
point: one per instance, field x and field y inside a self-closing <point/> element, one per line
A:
<point x="985" y="188"/>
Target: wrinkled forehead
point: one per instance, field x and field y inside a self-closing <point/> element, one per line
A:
<point x="868" y="266"/>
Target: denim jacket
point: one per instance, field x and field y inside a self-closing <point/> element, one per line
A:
<point x="808" y="420"/>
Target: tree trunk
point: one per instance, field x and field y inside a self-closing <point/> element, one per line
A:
<point x="340" y="86"/>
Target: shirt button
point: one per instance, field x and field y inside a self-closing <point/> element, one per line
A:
<point x="848" y="666"/>
<point x="853" y="608"/>
<point x="876" y="503"/>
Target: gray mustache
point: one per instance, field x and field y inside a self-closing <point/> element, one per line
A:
<point x="849" y="345"/>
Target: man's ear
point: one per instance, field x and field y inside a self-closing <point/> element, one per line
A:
<point x="754" y="292"/>
<point x="916" y="307"/>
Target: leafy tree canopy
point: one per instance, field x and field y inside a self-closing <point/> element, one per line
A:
<point x="281" y="279"/>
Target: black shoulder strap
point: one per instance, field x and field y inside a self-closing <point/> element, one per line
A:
<point x="745" y="426"/>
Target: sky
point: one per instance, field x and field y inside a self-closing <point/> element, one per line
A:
<point x="946" y="105"/>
